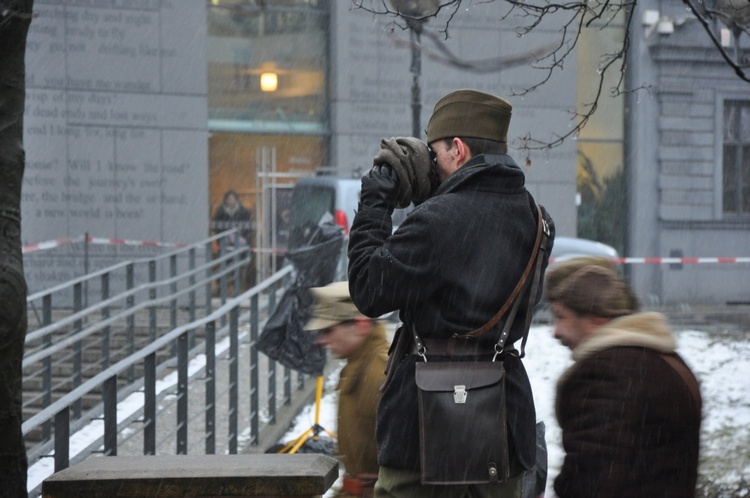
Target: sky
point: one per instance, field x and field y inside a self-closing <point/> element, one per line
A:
<point x="721" y="362"/>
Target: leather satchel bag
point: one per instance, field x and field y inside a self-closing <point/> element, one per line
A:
<point x="463" y="433"/>
<point x="462" y="422"/>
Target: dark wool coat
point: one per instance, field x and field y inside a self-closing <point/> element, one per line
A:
<point x="241" y="219"/>
<point x="630" y="423"/>
<point x="448" y="269"/>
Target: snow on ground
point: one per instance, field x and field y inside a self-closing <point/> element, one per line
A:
<point x="720" y="361"/>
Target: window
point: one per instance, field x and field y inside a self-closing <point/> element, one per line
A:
<point x="267" y="65"/>
<point x="736" y="157"/>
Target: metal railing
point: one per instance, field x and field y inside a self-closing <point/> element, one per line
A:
<point x="140" y="361"/>
<point x="72" y="326"/>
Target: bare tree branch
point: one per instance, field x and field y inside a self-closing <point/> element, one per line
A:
<point x="444" y="55"/>
<point x="733" y="61"/>
<point x="576" y="16"/>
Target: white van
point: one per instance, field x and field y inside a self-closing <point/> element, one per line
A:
<point x="314" y="197"/>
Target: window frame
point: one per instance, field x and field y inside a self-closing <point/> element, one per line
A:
<point x="720" y="214"/>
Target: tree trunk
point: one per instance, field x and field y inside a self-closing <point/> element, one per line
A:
<point x="15" y="18"/>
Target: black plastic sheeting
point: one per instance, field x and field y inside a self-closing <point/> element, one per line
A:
<point x="283" y="338"/>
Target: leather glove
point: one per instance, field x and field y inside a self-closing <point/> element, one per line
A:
<point x="380" y="188"/>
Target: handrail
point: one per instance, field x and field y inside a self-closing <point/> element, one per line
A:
<point x="61" y="344"/>
<point x="121" y="366"/>
<point x="152" y="374"/>
<point x="122" y="264"/>
<point x="112" y="321"/>
<point x="72" y="437"/>
<point x="72" y="318"/>
<point x="157" y="326"/>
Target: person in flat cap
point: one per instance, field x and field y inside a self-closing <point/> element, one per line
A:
<point x="361" y="341"/>
<point x="448" y="269"/>
<point x="629" y="407"/>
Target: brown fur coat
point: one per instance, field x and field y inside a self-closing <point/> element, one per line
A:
<point x="630" y="422"/>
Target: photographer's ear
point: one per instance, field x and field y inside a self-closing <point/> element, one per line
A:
<point x="461" y="150"/>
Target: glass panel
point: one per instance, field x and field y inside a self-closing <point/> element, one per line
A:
<point x="744" y="127"/>
<point x="267" y="62"/>
<point x="730" y="121"/>
<point x="251" y="18"/>
<point x="730" y="179"/>
<point x="234" y="157"/>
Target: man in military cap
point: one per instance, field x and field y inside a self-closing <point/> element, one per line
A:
<point x="629" y="407"/>
<point x="361" y="341"/>
<point x="448" y="269"/>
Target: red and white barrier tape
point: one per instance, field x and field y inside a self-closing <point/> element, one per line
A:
<point x="672" y="261"/>
<point x="50" y="244"/>
<point x="128" y="242"/>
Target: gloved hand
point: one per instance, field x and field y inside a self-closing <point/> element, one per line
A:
<point x="380" y="188"/>
<point x="410" y="159"/>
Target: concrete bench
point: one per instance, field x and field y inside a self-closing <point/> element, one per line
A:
<point x="302" y="475"/>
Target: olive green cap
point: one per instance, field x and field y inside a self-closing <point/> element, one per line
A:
<point x="470" y="114"/>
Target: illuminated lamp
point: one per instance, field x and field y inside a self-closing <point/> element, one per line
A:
<point x="269" y="82"/>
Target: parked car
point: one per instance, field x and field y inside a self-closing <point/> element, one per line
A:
<point x="567" y="248"/>
<point x="571" y="247"/>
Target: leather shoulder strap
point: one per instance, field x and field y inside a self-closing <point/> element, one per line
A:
<point x="690" y="381"/>
<point x="541" y="233"/>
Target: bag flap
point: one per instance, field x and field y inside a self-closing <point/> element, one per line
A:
<point x="444" y="376"/>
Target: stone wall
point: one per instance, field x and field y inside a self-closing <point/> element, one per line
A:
<point x="115" y="127"/>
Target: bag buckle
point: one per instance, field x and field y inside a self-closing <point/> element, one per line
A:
<point x="498" y="351"/>
<point x="459" y="394"/>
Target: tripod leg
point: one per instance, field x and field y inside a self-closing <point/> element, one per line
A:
<point x="313" y="432"/>
<point x="295" y="444"/>
<point x="318" y="397"/>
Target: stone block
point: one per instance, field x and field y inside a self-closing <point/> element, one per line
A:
<point x="308" y="475"/>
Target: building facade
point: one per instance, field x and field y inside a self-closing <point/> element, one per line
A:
<point x="688" y="147"/>
<point x="115" y="131"/>
<point x="342" y="78"/>
<point x="142" y="114"/>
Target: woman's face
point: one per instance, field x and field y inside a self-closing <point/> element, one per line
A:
<point x="230" y="201"/>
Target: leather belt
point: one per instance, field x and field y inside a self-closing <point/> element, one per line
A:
<point x="451" y="347"/>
